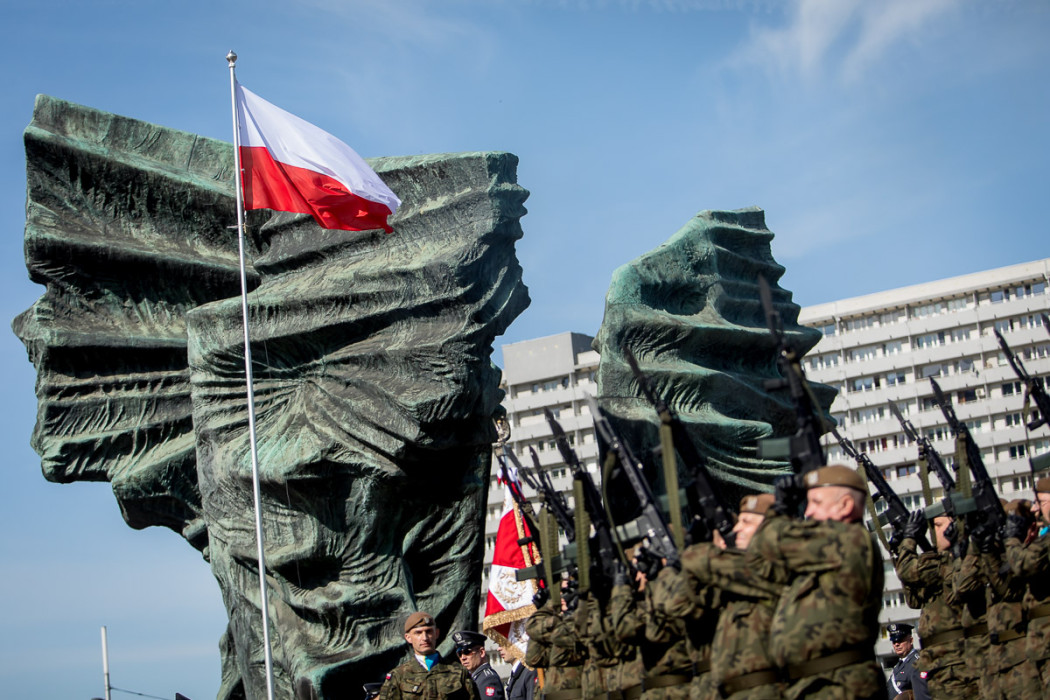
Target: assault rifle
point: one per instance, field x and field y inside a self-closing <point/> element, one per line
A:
<point x="896" y="512"/>
<point x="803" y="447"/>
<point x="540" y="482"/>
<point x="712" y="508"/>
<point x="651" y="521"/>
<point x="539" y="571"/>
<point x="606" y="560"/>
<point x="985" y="499"/>
<point x="1034" y="385"/>
<point x="933" y="460"/>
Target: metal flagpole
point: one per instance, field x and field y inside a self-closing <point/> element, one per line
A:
<point x="231" y="58"/>
<point x="105" y="662"/>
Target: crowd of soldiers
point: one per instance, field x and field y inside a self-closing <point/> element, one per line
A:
<point x="791" y="610"/>
<point x="782" y="598"/>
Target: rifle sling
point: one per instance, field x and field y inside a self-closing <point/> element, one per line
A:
<point x="674" y="504"/>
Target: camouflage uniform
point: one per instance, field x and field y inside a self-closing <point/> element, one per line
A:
<point x="444" y="681"/>
<point x="822" y="636"/>
<point x="1031" y="562"/>
<point x="678" y="596"/>
<point x="663" y="656"/>
<point x="1014" y="675"/>
<point x="604" y="666"/>
<point x="972" y="595"/>
<point x="928" y="585"/>
<point x="554" y="634"/>
<point x="741" y="667"/>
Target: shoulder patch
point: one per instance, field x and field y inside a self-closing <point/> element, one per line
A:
<point x="490" y="691"/>
<point x="922" y="674"/>
<point x="388" y="676"/>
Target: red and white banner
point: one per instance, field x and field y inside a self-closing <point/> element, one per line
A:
<point x="288" y="164"/>
<point x="509" y="602"/>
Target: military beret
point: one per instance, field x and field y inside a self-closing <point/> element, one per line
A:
<point x="834" y="475"/>
<point x="465" y="639"/>
<point x="1043" y="485"/>
<point x="1020" y="506"/>
<point x="418" y="619"/>
<point x="757" y="503"/>
<point x="898" y="631"/>
<point x="371" y="690"/>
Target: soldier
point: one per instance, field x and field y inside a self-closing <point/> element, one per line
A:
<point x="904" y="675"/>
<point x="829" y="573"/>
<point x="928" y="579"/>
<point x="426" y="676"/>
<point x="521" y="685"/>
<point x="716" y="582"/>
<point x="1028" y="557"/>
<point x="553" y="634"/>
<point x="1013" y="674"/>
<point x="470" y="648"/>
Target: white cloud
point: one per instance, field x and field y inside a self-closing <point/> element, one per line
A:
<point x="841" y="39"/>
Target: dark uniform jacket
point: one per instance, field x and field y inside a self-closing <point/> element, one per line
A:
<point x="905" y="676"/>
<point x="522" y="683"/>
<point x="489" y="684"/>
<point x="444" y="681"/>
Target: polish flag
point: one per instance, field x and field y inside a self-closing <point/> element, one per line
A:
<point x="288" y="164"/>
<point x="509" y="602"/>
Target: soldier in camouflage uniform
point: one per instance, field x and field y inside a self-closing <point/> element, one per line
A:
<point x="928" y="580"/>
<point x="553" y="638"/>
<point x="741" y="668"/>
<point x="829" y="573"/>
<point x="425" y="676"/>
<point x="1013" y="674"/>
<point x="1028" y="557"/>
<point x="665" y="667"/>
<point x="971" y="594"/>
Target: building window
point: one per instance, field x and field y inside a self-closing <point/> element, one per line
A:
<point x="1011" y="388"/>
<point x="966" y="396"/>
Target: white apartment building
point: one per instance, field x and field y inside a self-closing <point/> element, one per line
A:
<point x="884" y="347"/>
<point x="875" y="348"/>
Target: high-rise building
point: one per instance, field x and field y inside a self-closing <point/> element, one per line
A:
<point x="875" y="349"/>
<point x="885" y="347"/>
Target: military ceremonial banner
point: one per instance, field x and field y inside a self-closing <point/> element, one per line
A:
<point x="509" y="602"/>
<point x="288" y="164"/>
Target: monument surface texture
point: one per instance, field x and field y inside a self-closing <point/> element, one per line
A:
<point x="690" y="313"/>
<point x="373" y="381"/>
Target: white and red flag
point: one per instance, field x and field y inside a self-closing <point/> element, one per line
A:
<point x="288" y="164"/>
<point x="509" y="601"/>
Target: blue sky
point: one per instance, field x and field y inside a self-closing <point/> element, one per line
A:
<point x="889" y="142"/>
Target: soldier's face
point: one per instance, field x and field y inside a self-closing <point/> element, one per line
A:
<point x="471" y="658"/>
<point x="423" y="639"/>
<point x="1042" y="500"/>
<point x="829" y="503"/>
<point x="903" y="647"/>
<point x="746" y="526"/>
<point x="940" y="524"/>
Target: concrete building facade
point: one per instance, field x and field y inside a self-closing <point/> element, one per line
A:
<point x="875" y="348"/>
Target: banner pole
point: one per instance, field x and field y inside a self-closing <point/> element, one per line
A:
<point x="231" y="58"/>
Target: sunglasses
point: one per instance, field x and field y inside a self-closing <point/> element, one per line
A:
<point x="467" y="652"/>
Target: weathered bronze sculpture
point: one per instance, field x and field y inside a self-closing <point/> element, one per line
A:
<point x="690" y="313"/>
<point x="373" y="381"/>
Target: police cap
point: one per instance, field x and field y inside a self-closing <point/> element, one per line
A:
<point x="465" y="639"/>
<point x="898" y="631"/>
